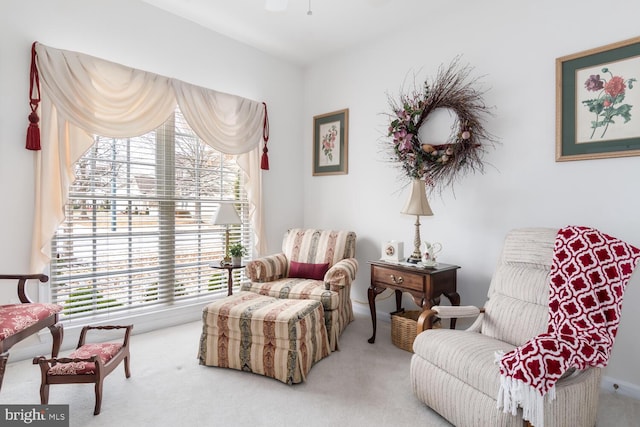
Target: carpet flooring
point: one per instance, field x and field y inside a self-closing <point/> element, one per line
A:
<point x="361" y="385"/>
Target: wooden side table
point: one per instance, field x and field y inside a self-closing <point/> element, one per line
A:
<point x="229" y="268"/>
<point x="425" y="285"/>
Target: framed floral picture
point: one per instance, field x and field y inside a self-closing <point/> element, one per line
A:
<point x="598" y="102"/>
<point x="331" y="143"/>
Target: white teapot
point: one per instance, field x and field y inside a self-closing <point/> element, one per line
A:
<point x="429" y="252"/>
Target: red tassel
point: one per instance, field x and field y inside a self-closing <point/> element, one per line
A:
<point x="33" y="131"/>
<point x="264" y="161"/>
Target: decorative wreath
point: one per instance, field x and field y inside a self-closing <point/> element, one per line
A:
<point x="441" y="165"/>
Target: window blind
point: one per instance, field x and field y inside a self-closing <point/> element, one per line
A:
<point x="138" y="233"/>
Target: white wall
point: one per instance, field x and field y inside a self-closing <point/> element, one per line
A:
<point x="137" y="35"/>
<point x="514" y="46"/>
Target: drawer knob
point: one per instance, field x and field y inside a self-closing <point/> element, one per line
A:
<point x="397" y="280"/>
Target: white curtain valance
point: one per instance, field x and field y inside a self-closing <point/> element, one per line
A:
<point x="234" y="125"/>
<point x="82" y="96"/>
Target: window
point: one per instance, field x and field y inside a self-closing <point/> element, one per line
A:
<point x="138" y="234"/>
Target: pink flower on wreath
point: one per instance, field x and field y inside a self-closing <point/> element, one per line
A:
<point x="615" y="86"/>
<point x="403" y="140"/>
<point x="403" y="115"/>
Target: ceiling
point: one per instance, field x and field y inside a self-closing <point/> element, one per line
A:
<point x="295" y="36"/>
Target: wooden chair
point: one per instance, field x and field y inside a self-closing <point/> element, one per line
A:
<point x="89" y="363"/>
<point x="19" y="321"/>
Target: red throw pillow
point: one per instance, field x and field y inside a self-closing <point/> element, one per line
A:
<point x="308" y="271"/>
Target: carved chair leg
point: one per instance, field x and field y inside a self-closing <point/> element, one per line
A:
<point x="44" y="393"/>
<point x="127" y="372"/>
<point x="3" y="365"/>
<point x="44" y="385"/>
<point x="57" y="332"/>
<point x="98" y="397"/>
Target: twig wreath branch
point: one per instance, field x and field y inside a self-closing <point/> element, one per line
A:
<point x="441" y="165"/>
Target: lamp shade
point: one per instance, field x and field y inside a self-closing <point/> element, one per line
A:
<point x="417" y="203"/>
<point x="227" y="215"/>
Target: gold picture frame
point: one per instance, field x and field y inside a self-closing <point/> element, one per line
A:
<point x="598" y="102"/>
<point x="331" y="143"/>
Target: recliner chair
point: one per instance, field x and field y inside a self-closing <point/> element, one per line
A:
<point x="455" y="372"/>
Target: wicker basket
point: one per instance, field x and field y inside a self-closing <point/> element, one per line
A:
<point x="403" y="328"/>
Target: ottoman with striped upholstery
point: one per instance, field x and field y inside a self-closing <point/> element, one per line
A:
<point x="278" y="338"/>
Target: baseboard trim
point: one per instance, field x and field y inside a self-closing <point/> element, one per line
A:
<point x="614" y="385"/>
<point x="364" y="310"/>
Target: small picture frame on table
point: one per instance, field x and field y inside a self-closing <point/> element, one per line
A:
<point x="392" y="251"/>
<point x="331" y="143"/>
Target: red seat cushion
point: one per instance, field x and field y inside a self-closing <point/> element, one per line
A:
<point x="17" y="317"/>
<point x="105" y="351"/>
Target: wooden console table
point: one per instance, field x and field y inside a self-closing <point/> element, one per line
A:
<point x="425" y="285"/>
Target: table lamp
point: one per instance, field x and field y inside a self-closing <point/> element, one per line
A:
<point x="417" y="205"/>
<point x="226" y="215"/>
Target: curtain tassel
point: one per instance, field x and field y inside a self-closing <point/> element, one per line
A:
<point x="33" y="131"/>
<point x="264" y="161"/>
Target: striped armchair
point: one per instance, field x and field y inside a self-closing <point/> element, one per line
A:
<point x="314" y="264"/>
<point x="455" y="371"/>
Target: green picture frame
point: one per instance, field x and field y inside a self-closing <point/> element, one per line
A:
<point x="598" y="102"/>
<point x="331" y="143"/>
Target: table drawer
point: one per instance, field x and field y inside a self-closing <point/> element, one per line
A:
<point x="404" y="279"/>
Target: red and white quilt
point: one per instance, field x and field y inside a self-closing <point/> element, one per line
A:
<point x="588" y="277"/>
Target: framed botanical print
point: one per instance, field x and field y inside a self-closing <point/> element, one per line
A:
<point x="331" y="143"/>
<point x="598" y="102"/>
